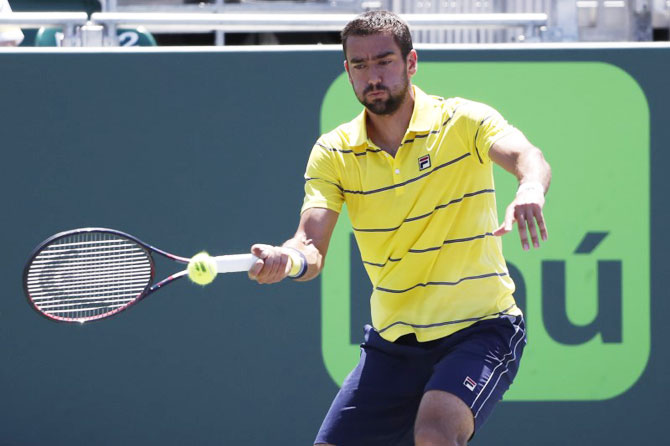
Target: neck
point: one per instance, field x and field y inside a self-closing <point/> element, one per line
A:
<point x="387" y="131"/>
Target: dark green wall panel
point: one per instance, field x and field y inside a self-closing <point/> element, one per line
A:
<point x="206" y="150"/>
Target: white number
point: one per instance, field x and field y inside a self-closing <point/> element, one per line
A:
<point x="128" y="38"/>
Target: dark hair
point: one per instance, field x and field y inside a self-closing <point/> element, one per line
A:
<point x="379" y="22"/>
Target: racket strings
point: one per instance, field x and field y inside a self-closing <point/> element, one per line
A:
<point x="87" y="275"/>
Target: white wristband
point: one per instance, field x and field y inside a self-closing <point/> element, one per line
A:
<point x="530" y="185"/>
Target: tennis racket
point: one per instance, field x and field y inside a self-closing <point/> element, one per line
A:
<point x="93" y="273"/>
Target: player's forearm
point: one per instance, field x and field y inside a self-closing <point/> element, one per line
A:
<point x="532" y="168"/>
<point x="312" y="256"/>
<point x="517" y="155"/>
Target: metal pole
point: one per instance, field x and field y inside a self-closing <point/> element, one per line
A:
<point x="219" y="36"/>
<point x="640" y="15"/>
<point x="69" y="35"/>
<point x="564" y="26"/>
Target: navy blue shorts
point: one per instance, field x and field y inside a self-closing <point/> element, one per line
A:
<point x="379" y="400"/>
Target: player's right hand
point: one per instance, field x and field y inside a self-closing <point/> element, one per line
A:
<point x="273" y="263"/>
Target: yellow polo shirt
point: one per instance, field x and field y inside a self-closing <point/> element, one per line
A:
<point x="423" y="219"/>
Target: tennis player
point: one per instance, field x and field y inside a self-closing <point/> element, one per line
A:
<point x="415" y="172"/>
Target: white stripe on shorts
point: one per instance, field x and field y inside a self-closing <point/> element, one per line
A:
<point x="518" y="331"/>
<point x="512" y="358"/>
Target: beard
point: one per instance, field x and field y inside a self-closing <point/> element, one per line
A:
<point x="386" y="106"/>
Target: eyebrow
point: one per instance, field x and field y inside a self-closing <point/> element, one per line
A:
<point x="378" y="56"/>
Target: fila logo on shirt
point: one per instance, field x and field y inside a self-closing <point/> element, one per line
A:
<point x="424" y="162"/>
<point x="469" y="383"/>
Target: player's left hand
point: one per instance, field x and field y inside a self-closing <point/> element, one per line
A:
<point x="526" y="211"/>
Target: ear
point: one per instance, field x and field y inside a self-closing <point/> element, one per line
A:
<point x="346" y="68"/>
<point x="412" y="63"/>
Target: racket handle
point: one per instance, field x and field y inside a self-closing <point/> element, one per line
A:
<point x="243" y="262"/>
<point x="234" y="263"/>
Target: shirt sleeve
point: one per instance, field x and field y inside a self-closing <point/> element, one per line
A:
<point x="323" y="187"/>
<point x="485" y="127"/>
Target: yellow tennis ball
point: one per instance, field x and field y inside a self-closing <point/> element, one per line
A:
<point x="202" y="269"/>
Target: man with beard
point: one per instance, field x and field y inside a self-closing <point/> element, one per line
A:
<point x="416" y="175"/>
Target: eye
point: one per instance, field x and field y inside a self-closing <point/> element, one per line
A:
<point x="385" y="62"/>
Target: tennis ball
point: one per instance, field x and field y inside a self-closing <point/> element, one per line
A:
<point x="202" y="269"/>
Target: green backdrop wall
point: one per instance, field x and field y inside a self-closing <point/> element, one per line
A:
<point x="193" y="150"/>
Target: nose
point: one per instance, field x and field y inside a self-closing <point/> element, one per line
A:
<point x="374" y="84"/>
<point x="375" y="76"/>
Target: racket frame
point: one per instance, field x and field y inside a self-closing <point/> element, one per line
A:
<point x="148" y="289"/>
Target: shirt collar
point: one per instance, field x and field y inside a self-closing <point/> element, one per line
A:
<point x="423" y="117"/>
<point x="425" y="112"/>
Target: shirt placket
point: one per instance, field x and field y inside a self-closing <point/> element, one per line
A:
<point x="399" y="165"/>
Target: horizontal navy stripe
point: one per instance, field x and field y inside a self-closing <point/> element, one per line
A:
<point x="457" y="200"/>
<point x="419" y="217"/>
<point x="433" y="248"/>
<point x="433" y="132"/>
<point x="423" y="135"/>
<point x="439" y="324"/>
<point x="378" y="229"/>
<point x="362" y="192"/>
<point x="404" y="183"/>
<point x="447" y="242"/>
<point x="333" y="149"/>
<point x="483" y="276"/>
<point x="381" y="265"/>
<point x="329" y="182"/>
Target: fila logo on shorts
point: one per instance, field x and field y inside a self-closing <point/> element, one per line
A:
<point x="424" y="162"/>
<point x="469" y="383"/>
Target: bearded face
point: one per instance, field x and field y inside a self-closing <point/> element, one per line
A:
<point x="381" y="100"/>
<point x="378" y="72"/>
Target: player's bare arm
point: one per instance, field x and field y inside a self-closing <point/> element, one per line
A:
<point x="518" y="156"/>
<point x="311" y="240"/>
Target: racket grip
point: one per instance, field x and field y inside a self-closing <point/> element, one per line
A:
<point x="234" y="263"/>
